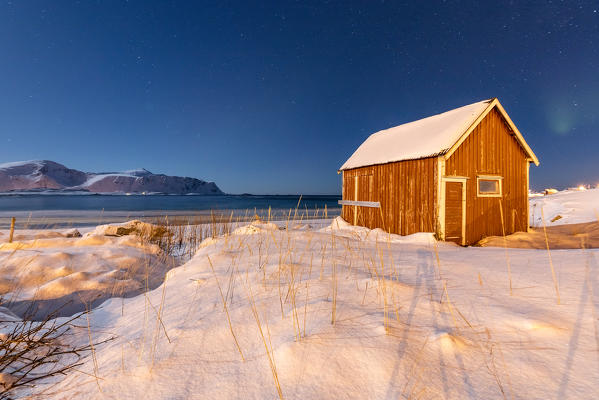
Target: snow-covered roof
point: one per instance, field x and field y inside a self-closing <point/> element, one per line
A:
<point x="426" y="137"/>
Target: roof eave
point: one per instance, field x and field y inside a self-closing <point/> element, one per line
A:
<point x="393" y="161"/>
<point x="448" y="152"/>
<point x="519" y="136"/>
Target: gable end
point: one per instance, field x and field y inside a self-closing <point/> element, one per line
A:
<point x="510" y="124"/>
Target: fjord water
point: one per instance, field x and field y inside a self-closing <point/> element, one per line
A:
<point x="77" y="210"/>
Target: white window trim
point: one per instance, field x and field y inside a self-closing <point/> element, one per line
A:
<point x="487" y="178"/>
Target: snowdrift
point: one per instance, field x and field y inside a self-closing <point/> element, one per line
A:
<point x="346" y="313"/>
<point x="41" y="272"/>
<point x="565" y="207"/>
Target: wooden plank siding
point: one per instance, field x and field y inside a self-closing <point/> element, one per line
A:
<point x="492" y="149"/>
<point x="405" y="189"/>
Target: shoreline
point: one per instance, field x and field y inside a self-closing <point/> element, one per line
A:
<point x="54" y="219"/>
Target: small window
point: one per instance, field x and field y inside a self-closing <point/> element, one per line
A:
<point x="489" y="186"/>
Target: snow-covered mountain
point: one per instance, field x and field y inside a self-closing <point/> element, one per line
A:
<point x="49" y="175"/>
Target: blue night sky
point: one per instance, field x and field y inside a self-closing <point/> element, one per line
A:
<point x="272" y="98"/>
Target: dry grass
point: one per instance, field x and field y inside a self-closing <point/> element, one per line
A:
<point x="550" y="259"/>
<point x="226" y="310"/>
<point x="290" y="278"/>
<point x="507" y="257"/>
<point x="34" y="353"/>
<point x="267" y="345"/>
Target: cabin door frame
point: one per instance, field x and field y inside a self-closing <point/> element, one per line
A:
<point x="459" y="179"/>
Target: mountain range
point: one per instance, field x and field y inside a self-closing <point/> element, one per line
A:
<point x="44" y="175"/>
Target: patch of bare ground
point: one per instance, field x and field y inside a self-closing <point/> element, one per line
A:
<point x="571" y="236"/>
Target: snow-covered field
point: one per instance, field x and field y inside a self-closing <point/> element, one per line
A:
<point x="565" y="207"/>
<point x="345" y="312"/>
<point x="53" y="268"/>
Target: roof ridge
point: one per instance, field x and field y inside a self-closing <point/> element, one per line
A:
<point x="403" y="142"/>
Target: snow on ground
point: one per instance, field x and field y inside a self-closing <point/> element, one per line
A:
<point x="342" y="228"/>
<point x="46" y="269"/>
<point x="571" y="236"/>
<point x="565" y="207"/>
<point x="319" y="311"/>
<point x="334" y="313"/>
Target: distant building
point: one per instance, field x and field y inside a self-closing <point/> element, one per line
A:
<point x="454" y="174"/>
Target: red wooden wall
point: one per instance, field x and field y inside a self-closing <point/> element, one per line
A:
<point x="492" y="149"/>
<point x="405" y="189"/>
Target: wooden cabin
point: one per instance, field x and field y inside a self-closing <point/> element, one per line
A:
<point x="462" y="174"/>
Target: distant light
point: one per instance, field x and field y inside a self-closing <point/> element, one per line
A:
<point x="582" y="187"/>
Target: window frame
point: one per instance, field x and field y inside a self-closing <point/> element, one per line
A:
<point x="497" y="178"/>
